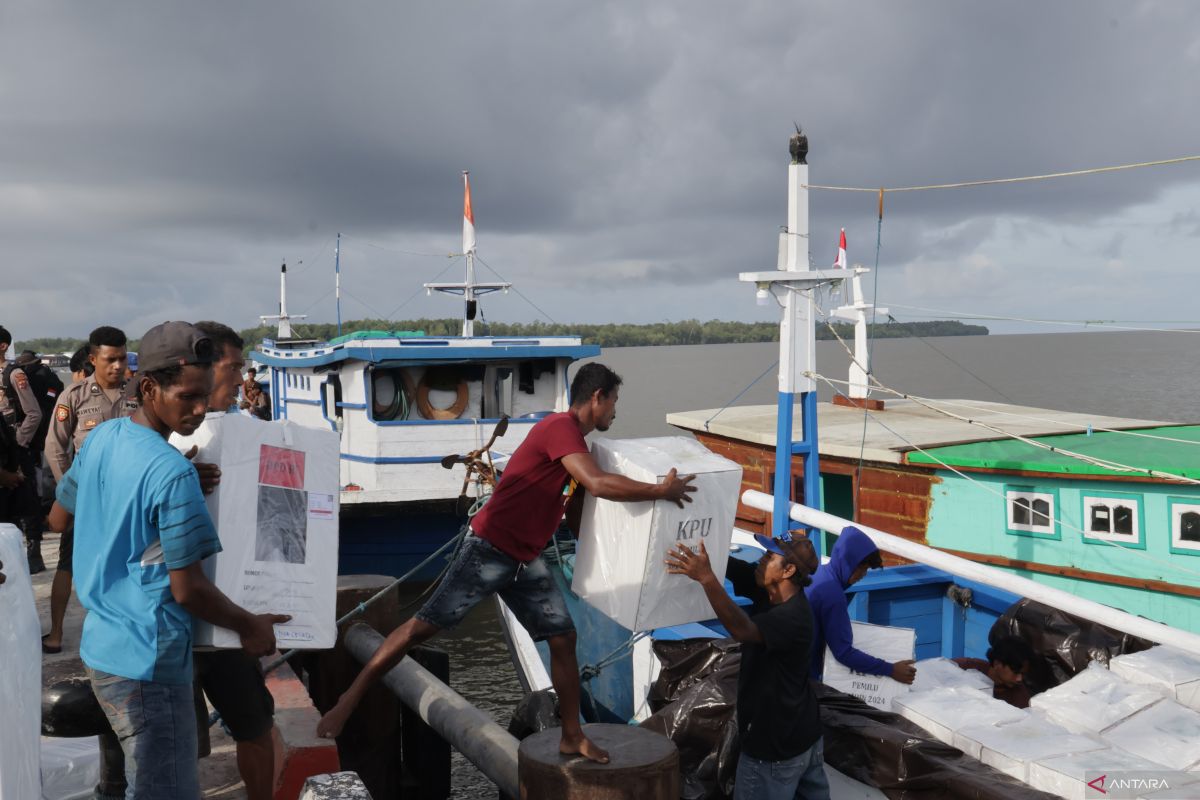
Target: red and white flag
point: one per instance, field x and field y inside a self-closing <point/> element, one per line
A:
<point x="468" y="217"/>
<point x="840" y="262"/>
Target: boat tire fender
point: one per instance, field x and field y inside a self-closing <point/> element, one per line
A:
<point x="453" y="411"/>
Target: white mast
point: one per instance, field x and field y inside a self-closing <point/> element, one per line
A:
<point x="284" y="319"/>
<point x="856" y="312"/>
<point x="469" y="288"/>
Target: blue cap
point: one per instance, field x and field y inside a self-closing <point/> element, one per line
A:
<point x="131" y="361"/>
<point x="769" y="544"/>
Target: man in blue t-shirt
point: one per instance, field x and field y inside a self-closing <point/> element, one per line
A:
<point x="142" y="529"/>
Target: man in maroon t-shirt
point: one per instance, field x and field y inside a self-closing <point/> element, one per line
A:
<point x="502" y="553"/>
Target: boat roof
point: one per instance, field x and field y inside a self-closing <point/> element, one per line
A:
<point x="898" y="434"/>
<point x="401" y="347"/>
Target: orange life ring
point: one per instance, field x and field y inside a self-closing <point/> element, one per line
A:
<point x="453" y="411"/>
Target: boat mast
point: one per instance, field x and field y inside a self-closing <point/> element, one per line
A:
<point x="856" y="312"/>
<point x="470" y="289"/>
<point x="792" y="287"/>
<point x="284" y="331"/>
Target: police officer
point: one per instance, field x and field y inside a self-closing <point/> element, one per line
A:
<point x="20" y="408"/>
<point x="97" y="398"/>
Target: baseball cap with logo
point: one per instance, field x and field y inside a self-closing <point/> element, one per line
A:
<point x="173" y="344"/>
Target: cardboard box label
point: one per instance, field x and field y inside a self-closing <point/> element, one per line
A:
<point x="278" y="466"/>
<point x="890" y="644"/>
<point x="321" y="506"/>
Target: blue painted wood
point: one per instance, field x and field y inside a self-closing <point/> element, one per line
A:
<point x="953" y="624"/>
<point x="393" y="544"/>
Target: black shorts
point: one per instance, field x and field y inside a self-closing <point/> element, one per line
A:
<point x="66" y="549"/>
<point x="234" y="684"/>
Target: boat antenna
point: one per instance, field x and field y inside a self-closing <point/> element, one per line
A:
<point x="284" y="331"/>
<point x="470" y="289"/>
<point x="337" y="281"/>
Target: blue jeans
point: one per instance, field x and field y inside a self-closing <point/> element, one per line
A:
<point x="799" y="778"/>
<point x="156" y="724"/>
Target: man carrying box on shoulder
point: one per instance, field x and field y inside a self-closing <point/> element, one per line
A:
<point x="142" y="530"/>
<point x="779" y="721"/>
<point x="502" y="552"/>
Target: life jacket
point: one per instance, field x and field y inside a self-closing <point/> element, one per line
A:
<point x="46" y="388"/>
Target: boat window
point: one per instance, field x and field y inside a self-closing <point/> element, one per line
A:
<point x="1185" y="525"/>
<point x="1111" y="518"/>
<point x="1189" y="530"/>
<point x="1030" y="512"/>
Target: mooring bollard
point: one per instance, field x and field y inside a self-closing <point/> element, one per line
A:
<point x="643" y="765"/>
<point x="371" y="742"/>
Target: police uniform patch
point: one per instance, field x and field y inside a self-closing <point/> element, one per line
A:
<point x="90" y="423"/>
<point x="20" y="381"/>
<point x="61" y="413"/>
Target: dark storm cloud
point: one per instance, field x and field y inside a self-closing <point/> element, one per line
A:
<point x="163" y="157"/>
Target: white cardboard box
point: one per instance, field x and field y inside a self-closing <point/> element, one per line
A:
<point x="1068" y="776"/>
<point x="1166" y="733"/>
<point x="944" y="711"/>
<point x="1173" y="671"/>
<point x="1094" y="700"/>
<point x="881" y="641"/>
<point x="1011" y="748"/>
<point x="934" y="673"/>
<point x="276" y="512"/>
<point x="619" y="567"/>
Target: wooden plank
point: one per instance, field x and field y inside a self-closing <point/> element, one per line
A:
<point x="1079" y="574"/>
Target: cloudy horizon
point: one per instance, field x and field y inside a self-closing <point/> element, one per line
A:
<point x="161" y="160"/>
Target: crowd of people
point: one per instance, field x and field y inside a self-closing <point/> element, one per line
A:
<point x="132" y="508"/>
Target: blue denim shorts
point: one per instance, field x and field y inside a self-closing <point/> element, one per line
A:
<point x="156" y="725"/>
<point x="481" y="570"/>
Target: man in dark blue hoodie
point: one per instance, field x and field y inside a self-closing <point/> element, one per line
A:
<point x="852" y="555"/>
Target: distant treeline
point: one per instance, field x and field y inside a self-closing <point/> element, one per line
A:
<point x="688" y="331"/>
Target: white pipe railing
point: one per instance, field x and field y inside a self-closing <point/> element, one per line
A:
<point x="981" y="573"/>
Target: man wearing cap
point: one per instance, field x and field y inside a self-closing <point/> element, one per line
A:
<point x="852" y="555"/>
<point x="99" y="397"/>
<point x="143" y="530"/>
<point x="779" y="721"/>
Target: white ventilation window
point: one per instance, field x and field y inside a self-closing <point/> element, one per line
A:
<point x="1031" y="512"/>
<point x="1112" y="519"/>
<point x="1185" y="527"/>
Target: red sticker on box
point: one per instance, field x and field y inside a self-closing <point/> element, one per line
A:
<point x="278" y="466"/>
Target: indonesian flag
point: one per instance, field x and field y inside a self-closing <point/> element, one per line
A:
<point x="840" y="262"/>
<point x="468" y="217"/>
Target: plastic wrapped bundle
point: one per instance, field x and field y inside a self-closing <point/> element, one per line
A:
<point x="942" y="673"/>
<point x="70" y="767"/>
<point x="619" y="558"/>
<point x="1166" y="733"/>
<point x="1175" y="672"/>
<point x="21" y="688"/>
<point x="1012" y="748"/>
<point x="1094" y="700"/>
<point x="944" y="711"/>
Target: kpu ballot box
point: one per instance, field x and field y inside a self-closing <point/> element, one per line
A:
<point x="619" y="561"/>
<point x="276" y="512"/>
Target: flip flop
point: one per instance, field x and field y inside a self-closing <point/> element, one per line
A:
<point x="49" y="649"/>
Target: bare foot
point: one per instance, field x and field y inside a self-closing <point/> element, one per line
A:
<point x="334" y="720"/>
<point x="583" y="746"/>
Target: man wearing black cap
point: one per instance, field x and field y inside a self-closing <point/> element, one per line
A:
<point x="779" y="722"/>
<point x="142" y="530"/>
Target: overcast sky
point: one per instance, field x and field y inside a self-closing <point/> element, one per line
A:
<point x="160" y="159"/>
